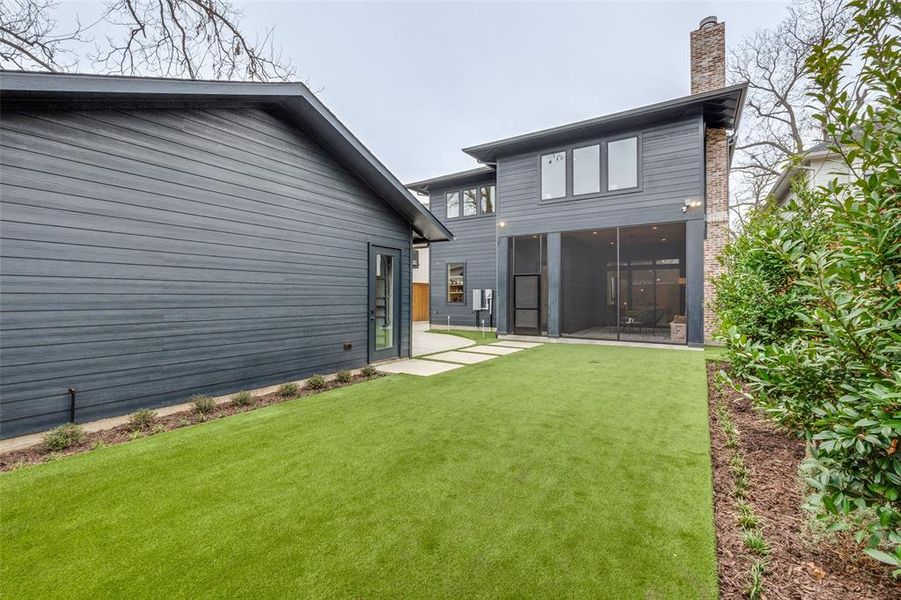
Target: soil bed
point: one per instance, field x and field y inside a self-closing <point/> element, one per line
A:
<point x="124" y="433"/>
<point x="802" y="562"/>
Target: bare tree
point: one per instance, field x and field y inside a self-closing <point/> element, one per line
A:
<point x="777" y="119"/>
<point x="29" y="37"/>
<point x="197" y="39"/>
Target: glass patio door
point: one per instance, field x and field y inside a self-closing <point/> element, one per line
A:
<point x="384" y="303"/>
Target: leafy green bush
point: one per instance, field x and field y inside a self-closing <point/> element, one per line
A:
<point x="316" y="382"/>
<point x="810" y="301"/>
<point x="242" y="399"/>
<point x="202" y="404"/>
<point x="344" y="376"/>
<point x="64" y="436"/>
<point x="287" y="390"/>
<point x="142" y="419"/>
<point x="369" y="371"/>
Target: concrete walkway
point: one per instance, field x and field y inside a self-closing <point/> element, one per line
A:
<point x="437" y="354"/>
<point x="426" y="342"/>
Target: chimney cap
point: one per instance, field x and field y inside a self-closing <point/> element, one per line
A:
<point x="707" y="22"/>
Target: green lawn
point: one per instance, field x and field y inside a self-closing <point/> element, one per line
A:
<point x="561" y="471"/>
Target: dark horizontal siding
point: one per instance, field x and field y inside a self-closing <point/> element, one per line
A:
<point x="671" y="169"/>
<point x="474" y="243"/>
<point x="150" y="255"/>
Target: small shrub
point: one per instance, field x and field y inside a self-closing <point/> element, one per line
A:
<point x="755" y="585"/>
<point x="242" y="399"/>
<point x="137" y="433"/>
<point x="754" y="542"/>
<point x="369" y="371"/>
<point x="746" y="518"/>
<point x="142" y="419"/>
<point x="288" y="389"/>
<point x="316" y="382"/>
<point x="64" y="436"/>
<point x="203" y="405"/>
<point x="344" y="376"/>
<point x="99" y="445"/>
<point x="158" y="428"/>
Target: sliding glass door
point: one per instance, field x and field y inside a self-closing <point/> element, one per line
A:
<point x="624" y="283"/>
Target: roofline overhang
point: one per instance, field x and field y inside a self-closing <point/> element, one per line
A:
<point x="295" y="100"/>
<point x="721" y="108"/>
<point x="459" y="178"/>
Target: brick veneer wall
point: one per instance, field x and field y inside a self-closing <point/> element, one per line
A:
<point x="708" y="72"/>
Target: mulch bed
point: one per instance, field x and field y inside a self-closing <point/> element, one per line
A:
<point x="124" y="433"/>
<point x="802" y="563"/>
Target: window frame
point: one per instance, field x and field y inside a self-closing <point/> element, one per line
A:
<point x="478" y="198"/>
<point x="605" y="169"/>
<point x="572" y="168"/>
<point x="475" y="199"/>
<point x="447" y="276"/>
<point x="459" y="194"/>
<point x="604" y="192"/>
<point x="481" y="187"/>
<point x="567" y="168"/>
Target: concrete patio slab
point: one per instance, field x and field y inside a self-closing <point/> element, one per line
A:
<point x="515" y="344"/>
<point x="416" y="366"/>
<point x="466" y="358"/>
<point x="495" y="350"/>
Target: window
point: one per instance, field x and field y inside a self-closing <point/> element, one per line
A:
<point x="553" y="175"/>
<point x="415" y="259"/>
<point x="488" y="200"/>
<point x="455" y="283"/>
<point x="622" y="164"/>
<point x="470" y="206"/>
<point x="453" y="205"/>
<point x="587" y="170"/>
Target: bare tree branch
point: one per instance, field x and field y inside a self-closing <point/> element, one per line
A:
<point x="29" y="38"/>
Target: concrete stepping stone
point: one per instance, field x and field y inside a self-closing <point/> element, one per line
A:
<point x="466" y="358"/>
<point x="416" y="366"/>
<point x="515" y="344"/>
<point x="495" y="350"/>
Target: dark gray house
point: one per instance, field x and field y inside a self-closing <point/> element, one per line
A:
<point x="164" y="238"/>
<point x="603" y="229"/>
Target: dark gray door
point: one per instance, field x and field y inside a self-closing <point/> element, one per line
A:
<point x="384" y="303"/>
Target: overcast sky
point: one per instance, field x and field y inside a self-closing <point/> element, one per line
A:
<point x="417" y="81"/>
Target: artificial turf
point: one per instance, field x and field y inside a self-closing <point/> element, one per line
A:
<point x="560" y="471"/>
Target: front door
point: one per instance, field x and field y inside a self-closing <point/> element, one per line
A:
<point x="384" y="303"/>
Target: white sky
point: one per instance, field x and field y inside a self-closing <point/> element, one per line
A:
<point x="417" y="81"/>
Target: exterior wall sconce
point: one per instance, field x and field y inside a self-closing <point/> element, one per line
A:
<point x="690" y="203"/>
<point x="502" y="224"/>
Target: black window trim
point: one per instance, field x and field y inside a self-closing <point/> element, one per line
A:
<point x="447" y="267"/>
<point x="604" y="193"/>
<point x="479" y="213"/>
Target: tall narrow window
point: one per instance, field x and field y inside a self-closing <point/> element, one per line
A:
<point x="455" y="282"/>
<point x="453" y="205"/>
<point x="622" y="164"/>
<point x="470" y="206"/>
<point x="553" y="175"/>
<point x="587" y="170"/>
<point x="488" y="200"/>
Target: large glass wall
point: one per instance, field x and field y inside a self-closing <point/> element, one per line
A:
<point x="624" y="284"/>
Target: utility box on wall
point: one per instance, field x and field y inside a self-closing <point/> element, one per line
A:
<point x="482" y="300"/>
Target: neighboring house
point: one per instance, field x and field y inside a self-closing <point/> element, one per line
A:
<point x="603" y="229"/>
<point x="165" y="238"/>
<point x="819" y="166"/>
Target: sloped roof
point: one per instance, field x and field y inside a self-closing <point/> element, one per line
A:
<point x="458" y="178"/>
<point x="297" y="102"/>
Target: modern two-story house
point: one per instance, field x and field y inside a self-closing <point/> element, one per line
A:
<point x="604" y="229"/>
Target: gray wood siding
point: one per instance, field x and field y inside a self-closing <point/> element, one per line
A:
<point x="148" y="255"/>
<point x="671" y="171"/>
<point x="475" y="245"/>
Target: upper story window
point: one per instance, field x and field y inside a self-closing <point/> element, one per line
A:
<point x="622" y="164"/>
<point x="486" y="193"/>
<point x="470" y="205"/>
<point x="587" y="170"/>
<point x="553" y="175"/>
<point x="453" y="205"/>
<point x="471" y="202"/>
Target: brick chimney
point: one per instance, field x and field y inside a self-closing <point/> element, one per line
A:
<point x="708" y="72"/>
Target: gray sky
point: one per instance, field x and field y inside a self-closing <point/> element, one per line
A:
<point x="417" y="81"/>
